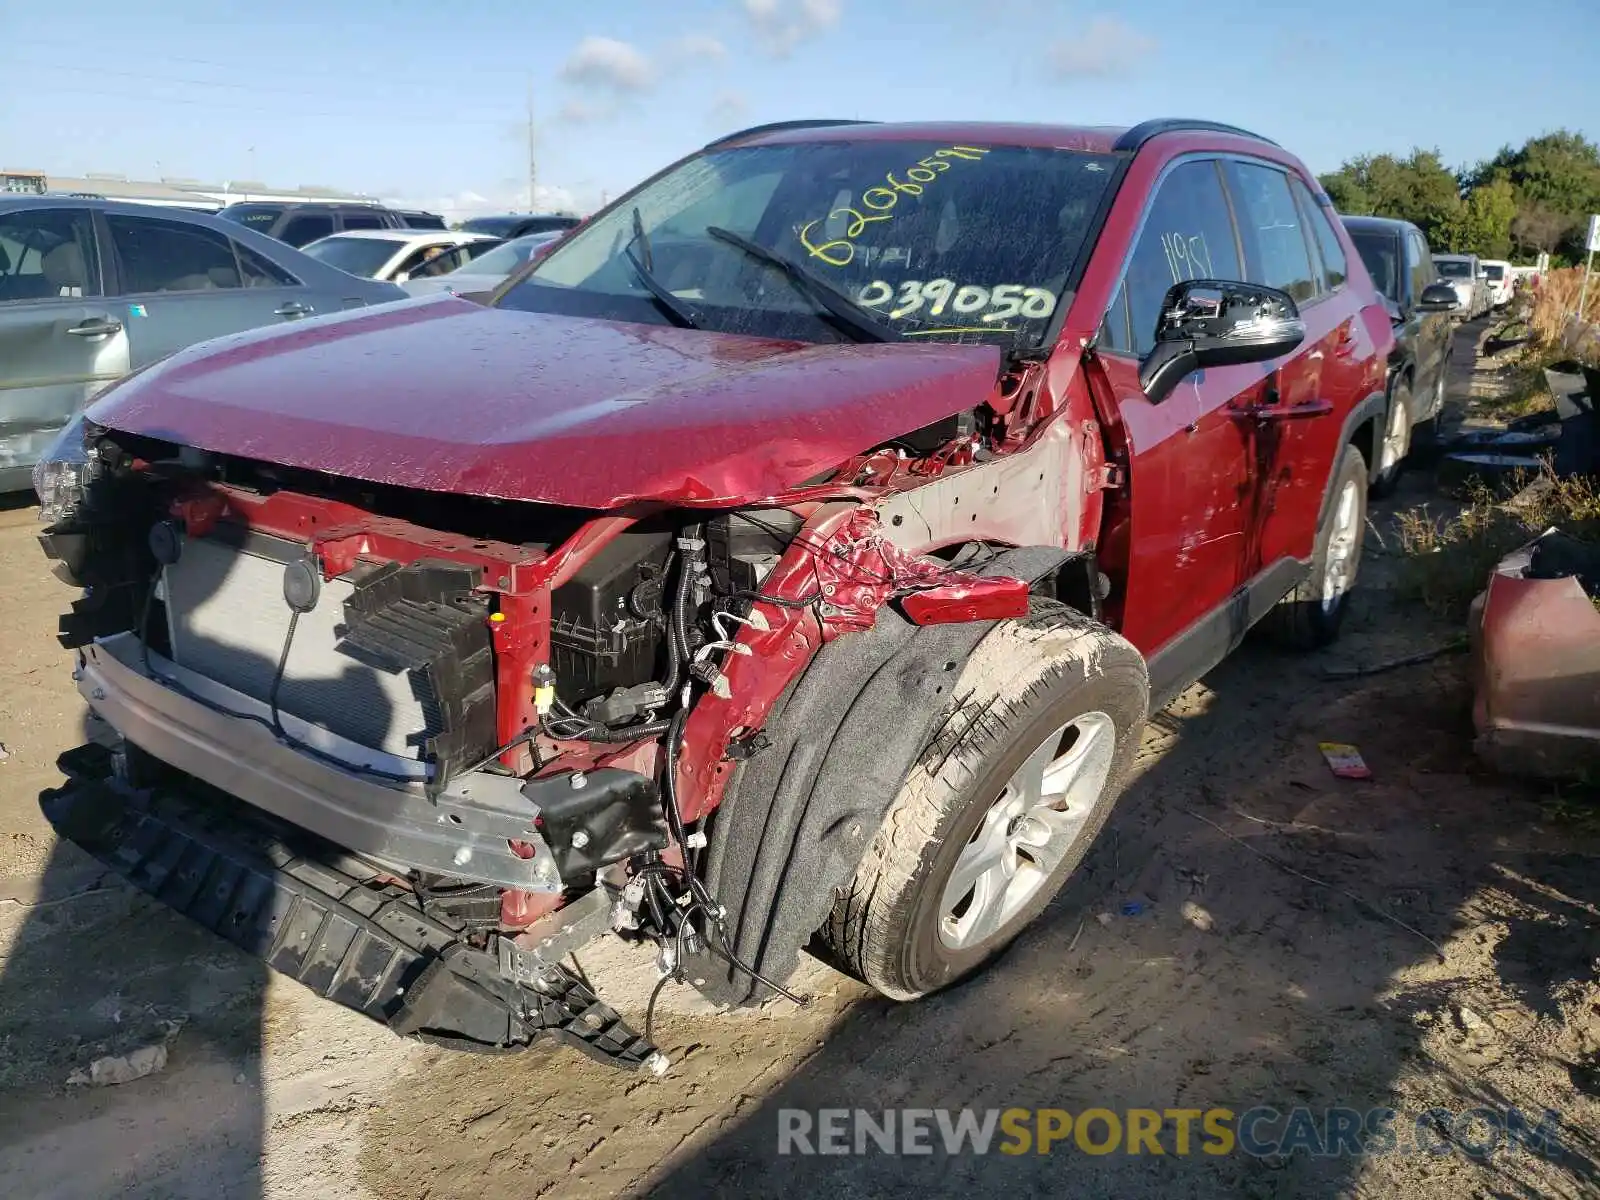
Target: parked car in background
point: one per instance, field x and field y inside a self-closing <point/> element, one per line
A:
<point x="302" y="222"/>
<point x="514" y="225"/>
<point x="878" y="539"/>
<point x="418" y="219"/>
<point x="1464" y="273"/>
<point x="484" y="273"/>
<point x="93" y="289"/>
<point x="398" y="255"/>
<point x="1497" y="274"/>
<point x="1396" y="255"/>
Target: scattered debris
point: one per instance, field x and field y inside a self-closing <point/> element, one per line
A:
<point x="1390" y="664"/>
<point x="4" y="753"/>
<point x="122" y="1068"/>
<point x="1468" y="1020"/>
<point x="1104" y="918"/>
<point x="1345" y="760"/>
<point x="1196" y="916"/>
<point x="1132" y="908"/>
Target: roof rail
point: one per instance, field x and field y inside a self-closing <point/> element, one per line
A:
<point x="779" y="126"/>
<point x="1145" y="130"/>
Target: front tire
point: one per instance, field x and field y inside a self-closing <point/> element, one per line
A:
<point x="1001" y="807"/>
<point x="1309" y="617"/>
<point x="1394" y="441"/>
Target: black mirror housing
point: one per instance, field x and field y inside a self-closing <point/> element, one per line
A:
<point x="1218" y="323"/>
<point x="1438" y="297"/>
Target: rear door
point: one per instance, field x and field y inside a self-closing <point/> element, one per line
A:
<point x="60" y="341"/>
<point x="1433" y="329"/>
<point x="1295" y="417"/>
<point x="181" y="283"/>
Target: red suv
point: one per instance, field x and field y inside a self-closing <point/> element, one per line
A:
<point x="795" y="551"/>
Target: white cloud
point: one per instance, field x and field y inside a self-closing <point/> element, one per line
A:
<point x="696" y="46"/>
<point x="781" y="25"/>
<point x="728" y="109"/>
<point x="1106" y="46"/>
<point x="579" y="110"/>
<point x="606" y="63"/>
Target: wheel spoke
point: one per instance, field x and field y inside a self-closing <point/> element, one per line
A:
<point x="981" y="855"/>
<point x="994" y="902"/>
<point x="1029" y="781"/>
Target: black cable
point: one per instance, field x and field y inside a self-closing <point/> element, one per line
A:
<point x="277" y="676"/>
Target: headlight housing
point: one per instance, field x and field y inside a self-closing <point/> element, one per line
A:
<point x="62" y="476"/>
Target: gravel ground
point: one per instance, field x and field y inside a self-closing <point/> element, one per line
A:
<point x="1426" y="938"/>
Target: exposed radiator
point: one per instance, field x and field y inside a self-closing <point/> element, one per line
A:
<point x="227" y="618"/>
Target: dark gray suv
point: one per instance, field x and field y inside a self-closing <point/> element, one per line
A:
<point x="300" y="224"/>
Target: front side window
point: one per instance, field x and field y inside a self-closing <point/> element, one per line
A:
<point x="1275" y="250"/>
<point x="165" y="256"/>
<point x="47" y="254"/>
<point x="1187" y="234"/>
<point x="939" y="240"/>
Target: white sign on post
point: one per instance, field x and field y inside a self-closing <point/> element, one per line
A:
<point x="1591" y="243"/>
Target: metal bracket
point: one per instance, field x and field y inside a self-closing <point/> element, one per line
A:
<point x="526" y="958"/>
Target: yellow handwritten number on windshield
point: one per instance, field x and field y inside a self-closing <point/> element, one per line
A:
<point x="882" y="199"/>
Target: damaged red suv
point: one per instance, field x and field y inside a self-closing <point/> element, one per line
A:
<point x="793" y="553"/>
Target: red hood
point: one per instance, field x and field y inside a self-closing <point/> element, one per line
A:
<point x="450" y="396"/>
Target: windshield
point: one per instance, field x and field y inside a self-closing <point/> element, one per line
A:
<point x="1495" y="273"/>
<point x="1381" y="254"/>
<point x="504" y="258"/>
<point x="254" y="216"/>
<point x="359" y="256"/>
<point x="1453" y="268"/>
<point x="939" y="240"/>
<point x="498" y="226"/>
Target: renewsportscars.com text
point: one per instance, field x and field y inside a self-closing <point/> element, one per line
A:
<point x="1260" y="1132"/>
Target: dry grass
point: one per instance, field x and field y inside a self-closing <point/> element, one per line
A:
<point x="1447" y="562"/>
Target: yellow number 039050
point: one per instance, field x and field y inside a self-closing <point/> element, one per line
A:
<point x="1000" y="303"/>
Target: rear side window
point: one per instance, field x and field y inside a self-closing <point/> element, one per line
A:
<point x="1275" y="250"/>
<point x="1329" y="250"/>
<point x="165" y="256"/>
<point x="1188" y="234"/>
<point x="361" y="220"/>
<point x="307" y="227"/>
<point x="1380" y="253"/>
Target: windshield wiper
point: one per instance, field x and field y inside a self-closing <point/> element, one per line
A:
<point x="673" y="308"/>
<point x="853" y="318"/>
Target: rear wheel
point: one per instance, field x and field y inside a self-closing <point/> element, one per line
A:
<point x="1394" y="441"/>
<point x="1001" y="808"/>
<point x="1310" y="615"/>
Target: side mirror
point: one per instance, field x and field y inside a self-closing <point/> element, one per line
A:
<point x="1217" y="323"/>
<point x="1438" y="297"/>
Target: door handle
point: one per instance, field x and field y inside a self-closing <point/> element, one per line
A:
<point x="1346" y="345"/>
<point x="95" y="327"/>
<point x="1285" y="412"/>
<point x="294" y="309"/>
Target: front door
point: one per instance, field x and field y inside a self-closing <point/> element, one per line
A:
<point x="1189" y="456"/>
<point x="60" y="342"/>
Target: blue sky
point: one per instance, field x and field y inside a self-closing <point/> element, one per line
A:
<point x="428" y="101"/>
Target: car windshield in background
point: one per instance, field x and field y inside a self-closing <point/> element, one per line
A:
<point x="359" y="256"/>
<point x="1453" y="268"/>
<point x="1495" y="273"/>
<point x="1381" y="254"/>
<point x="939" y="240"/>
<point x="251" y="215"/>
<point x="498" y="226"/>
<point x="504" y="258"/>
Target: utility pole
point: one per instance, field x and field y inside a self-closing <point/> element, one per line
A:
<point x="533" y="166"/>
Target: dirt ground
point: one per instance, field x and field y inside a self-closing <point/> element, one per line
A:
<point x="1270" y="963"/>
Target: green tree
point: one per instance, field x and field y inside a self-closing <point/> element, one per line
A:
<point x="1418" y="188"/>
<point x="1556" y="180"/>
<point x="1481" y="224"/>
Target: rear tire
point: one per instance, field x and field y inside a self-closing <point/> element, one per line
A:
<point x="1393" y="441"/>
<point x="1310" y="615"/>
<point x="1053" y="701"/>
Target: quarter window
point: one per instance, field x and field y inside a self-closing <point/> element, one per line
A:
<point x="307" y="228"/>
<point x="1188" y="234"/>
<point x="166" y="256"/>
<point x="1275" y="250"/>
<point x="257" y="271"/>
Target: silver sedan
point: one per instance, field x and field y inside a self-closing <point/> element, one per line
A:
<point x="93" y="289"/>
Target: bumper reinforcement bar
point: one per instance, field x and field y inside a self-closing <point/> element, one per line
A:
<point x="328" y="920"/>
